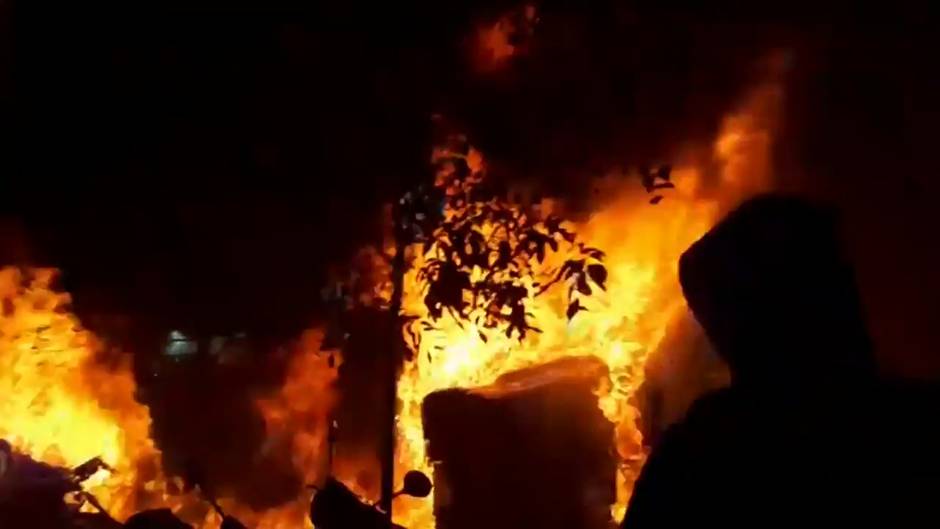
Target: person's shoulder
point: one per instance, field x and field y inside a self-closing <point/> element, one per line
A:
<point x="908" y="410"/>
<point x="715" y="405"/>
<point x="710" y="421"/>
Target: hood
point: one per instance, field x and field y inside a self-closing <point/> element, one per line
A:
<point x="775" y="294"/>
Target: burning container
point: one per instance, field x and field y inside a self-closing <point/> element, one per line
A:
<point x="531" y="450"/>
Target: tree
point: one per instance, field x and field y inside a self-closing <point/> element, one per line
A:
<point x="481" y="259"/>
<point x="486" y="257"/>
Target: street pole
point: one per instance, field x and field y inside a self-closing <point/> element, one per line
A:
<point x="395" y="340"/>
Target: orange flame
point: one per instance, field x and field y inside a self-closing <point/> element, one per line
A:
<point x="622" y="326"/>
<point x="65" y="399"/>
<point x="63" y="404"/>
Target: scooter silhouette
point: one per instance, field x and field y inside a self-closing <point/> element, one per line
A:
<point x="335" y="506"/>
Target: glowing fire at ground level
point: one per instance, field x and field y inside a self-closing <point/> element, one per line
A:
<point x="65" y="401"/>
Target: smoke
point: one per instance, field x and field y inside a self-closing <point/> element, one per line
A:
<point x="605" y="87"/>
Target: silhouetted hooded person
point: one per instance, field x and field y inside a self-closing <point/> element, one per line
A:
<point x="800" y="436"/>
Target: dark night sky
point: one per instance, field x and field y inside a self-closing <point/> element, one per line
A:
<point x="206" y="164"/>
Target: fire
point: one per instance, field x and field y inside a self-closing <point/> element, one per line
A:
<point x="298" y="415"/>
<point x="622" y="326"/>
<point x="65" y="398"/>
<point x="64" y="401"/>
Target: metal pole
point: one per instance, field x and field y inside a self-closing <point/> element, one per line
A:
<point x="396" y="344"/>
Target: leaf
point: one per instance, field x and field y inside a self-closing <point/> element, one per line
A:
<point x="583" y="286"/>
<point x="553" y="224"/>
<point x="572" y="267"/>
<point x="483" y="336"/>
<point x="598" y="274"/>
<point x="664" y="185"/>
<point x="573" y="309"/>
<point x="656" y="200"/>
<point x="665" y="172"/>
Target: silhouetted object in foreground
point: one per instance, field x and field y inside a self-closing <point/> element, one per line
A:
<point x="196" y="477"/>
<point x="532" y="449"/>
<point x="805" y="434"/>
<point x="32" y="496"/>
<point x="334" y="506"/>
<point x="31" y="492"/>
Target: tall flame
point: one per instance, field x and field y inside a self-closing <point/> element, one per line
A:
<point x="63" y="403"/>
<point x="64" y="399"/>
<point x="623" y="326"/>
